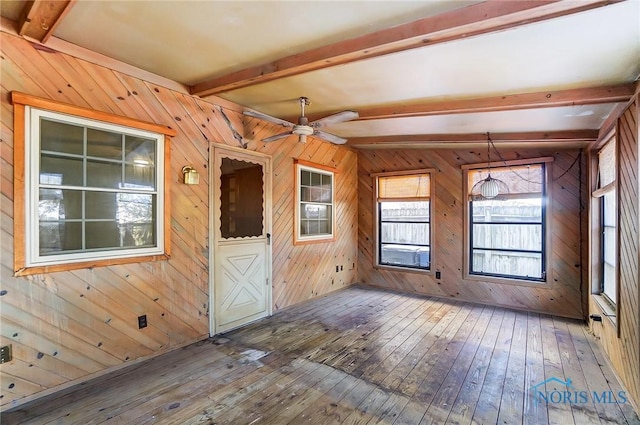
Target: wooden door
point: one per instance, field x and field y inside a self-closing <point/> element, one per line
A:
<point x="241" y="207"/>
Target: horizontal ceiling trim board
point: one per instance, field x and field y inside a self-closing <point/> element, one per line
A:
<point x="38" y="102"/>
<point x="480" y="18"/>
<point x="509" y="102"/>
<point x="453" y="139"/>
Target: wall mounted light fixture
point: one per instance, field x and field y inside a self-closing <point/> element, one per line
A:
<point x="190" y="175"/>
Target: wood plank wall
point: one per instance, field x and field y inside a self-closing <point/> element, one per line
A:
<point x="66" y="327"/>
<point x="563" y="293"/>
<point x="624" y="349"/>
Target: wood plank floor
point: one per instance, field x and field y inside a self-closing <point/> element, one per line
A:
<point x="362" y="356"/>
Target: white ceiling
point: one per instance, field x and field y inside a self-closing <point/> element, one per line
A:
<point x="194" y="41"/>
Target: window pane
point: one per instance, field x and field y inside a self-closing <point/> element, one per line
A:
<point x="104" y="174"/>
<point x="58" y="204"/>
<point x="609" y="200"/>
<point x="60" y="137"/>
<point x="316" y="179"/>
<point x="508" y="236"/>
<point x="100" y="205"/>
<point x="305" y="178"/>
<point x="59" y="237"/>
<point x="60" y="171"/>
<point x="405" y="233"/>
<point x="512" y="210"/>
<point x="609" y="245"/>
<point x="242" y="199"/>
<point x="405" y="211"/>
<point x="522" y="264"/>
<point x="140" y="176"/>
<point x="102" y="234"/>
<point x="315" y="211"/>
<point x="609" y="279"/>
<point x="104" y="144"/>
<point x="403" y="255"/>
<point x="140" y="151"/>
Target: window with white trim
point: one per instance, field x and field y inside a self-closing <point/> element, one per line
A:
<point x="608" y="223"/>
<point x="314" y="204"/>
<point x="93" y="190"/>
<point x="507" y="234"/>
<point x="403" y="205"/>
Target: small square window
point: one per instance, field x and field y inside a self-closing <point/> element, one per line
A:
<point x="314" y="204"/>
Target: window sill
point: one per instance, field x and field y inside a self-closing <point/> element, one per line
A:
<point x="606" y="308"/>
<point x="507" y="281"/>
<point x="403" y="269"/>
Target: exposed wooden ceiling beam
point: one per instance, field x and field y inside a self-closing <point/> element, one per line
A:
<point x="582" y="137"/>
<point x="39" y="18"/>
<point x="510" y="102"/>
<point x="480" y="18"/>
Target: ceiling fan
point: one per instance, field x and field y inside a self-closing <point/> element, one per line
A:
<point x="305" y="128"/>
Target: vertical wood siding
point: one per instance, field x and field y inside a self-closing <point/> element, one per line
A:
<point x="562" y="293"/>
<point x="68" y="326"/>
<point x="624" y="350"/>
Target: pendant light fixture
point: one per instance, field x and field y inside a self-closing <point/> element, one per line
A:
<point x="489" y="188"/>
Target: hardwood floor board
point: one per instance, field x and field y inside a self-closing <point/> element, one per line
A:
<point x="439" y="321"/>
<point x="488" y="405"/>
<point x="320" y="411"/>
<point x="306" y="398"/>
<point x="410" y="385"/>
<point x="595" y="379"/>
<point x="255" y="407"/>
<point x="441" y="367"/>
<point x="534" y="411"/>
<point x="512" y="401"/>
<point x="583" y="413"/>
<point x="390" y="410"/>
<point x="369" y="408"/>
<point x="358" y="356"/>
<point x="462" y="409"/>
<point x="446" y="394"/>
<point x="556" y="412"/>
<point x="360" y="333"/>
<point x="630" y="415"/>
<point x="340" y="343"/>
<point x="370" y="343"/>
<point x="391" y="356"/>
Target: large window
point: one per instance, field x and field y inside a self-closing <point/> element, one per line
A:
<point x="606" y="195"/>
<point x="93" y="191"/>
<point x="314" y="203"/>
<point x="403" y="205"/>
<point x="507" y="234"/>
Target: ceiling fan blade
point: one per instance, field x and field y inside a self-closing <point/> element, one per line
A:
<point x="269" y="118"/>
<point x="336" y="140"/>
<point x="277" y="137"/>
<point x="335" y="119"/>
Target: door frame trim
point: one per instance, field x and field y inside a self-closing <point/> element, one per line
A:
<point x="214" y="148"/>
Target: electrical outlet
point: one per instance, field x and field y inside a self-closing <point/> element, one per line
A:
<point x="142" y="321"/>
<point x="341" y="268"/>
<point x="337" y="269"/>
<point x="438" y="275"/>
<point x="6" y="354"/>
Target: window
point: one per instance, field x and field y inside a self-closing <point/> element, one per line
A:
<point x="314" y="203"/>
<point x="93" y="191"/>
<point x="403" y="205"/>
<point x="507" y="234"/>
<point x="607" y="199"/>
